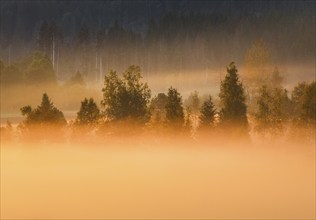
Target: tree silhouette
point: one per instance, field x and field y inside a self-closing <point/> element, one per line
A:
<point x="45" y="114"/>
<point x="297" y="98"/>
<point x="126" y="98"/>
<point x="83" y="46"/>
<point x="89" y="113"/>
<point x="174" y="109"/>
<point x="304" y="115"/>
<point x="158" y="107"/>
<point x="193" y="102"/>
<point x="77" y="79"/>
<point x="112" y="92"/>
<point x="308" y="113"/>
<point x="44" y="38"/>
<point x="11" y="74"/>
<point x="272" y="110"/>
<point x="276" y="78"/>
<point x="50" y="38"/>
<point x="257" y="65"/>
<point x="304" y="101"/>
<point x="138" y="94"/>
<point x="207" y="114"/>
<point x="232" y="98"/>
<point x="39" y="69"/>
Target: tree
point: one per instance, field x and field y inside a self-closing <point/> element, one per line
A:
<point x="112" y="95"/>
<point x="174" y="109"/>
<point x="49" y="38"/>
<point x="272" y="110"/>
<point x="83" y="47"/>
<point x="39" y="69"/>
<point x="88" y="114"/>
<point x="304" y="105"/>
<point x="126" y="98"/>
<point x="76" y="80"/>
<point x="11" y="75"/>
<point x="158" y="107"/>
<point x="259" y="72"/>
<point x="138" y="93"/>
<point x="45" y="122"/>
<point x="257" y="65"/>
<point x="44" y="38"/>
<point x="193" y="102"/>
<point x="308" y="113"/>
<point x="45" y="114"/>
<point x="187" y="121"/>
<point x="276" y="78"/>
<point x="297" y="98"/>
<point x="35" y="68"/>
<point x="207" y="114"/>
<point x="7" y="132"/>
<point x="232" y="99"/>
<point x="304" y="102"/>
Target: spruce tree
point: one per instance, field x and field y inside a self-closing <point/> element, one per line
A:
<point x="45" y="122"/>
<point x="207" y="114"/>
<point x="232" y="98"/>
<point x="174" y="109"/>
<point x="45" y="113"/>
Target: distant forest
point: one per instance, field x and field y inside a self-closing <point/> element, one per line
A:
<point x="127" y="108"/>
<point x="93" y="37"/>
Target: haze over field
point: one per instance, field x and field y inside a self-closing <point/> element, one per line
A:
<point x="131" y="179"/>
<point x="157" y="109"/>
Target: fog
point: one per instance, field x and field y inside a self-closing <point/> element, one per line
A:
<point x="152" y="176"/>
<point x="132" y="158"/>
<point x="157" y="179"/>
<point x="15" y="96"/>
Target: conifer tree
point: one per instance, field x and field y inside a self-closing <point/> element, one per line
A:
<point x="232" y="98"/>
<point x="207" y="114"/>
<point x="45" y="113"/>
<point x="174" y="109"/>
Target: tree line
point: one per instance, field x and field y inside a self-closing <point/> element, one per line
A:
<point x="164" y="44"/>
<point x="127" y="107"/>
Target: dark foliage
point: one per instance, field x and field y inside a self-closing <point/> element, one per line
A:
<point x="126" y="98"/>
<point x="174" y="108"/>
<point x="207" y="114"/>
<point x="45" y="114"/>
<point x="88" y="114"/>
<point x="234" y="109"/>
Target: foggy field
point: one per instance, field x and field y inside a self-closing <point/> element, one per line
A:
<point x="157" y="109"/>
<point x="194" y="180"/>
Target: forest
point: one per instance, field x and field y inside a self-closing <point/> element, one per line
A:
<point x="263" y="107"/>
<point x="157" y="109"/>
<point x="253" y="103"/>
